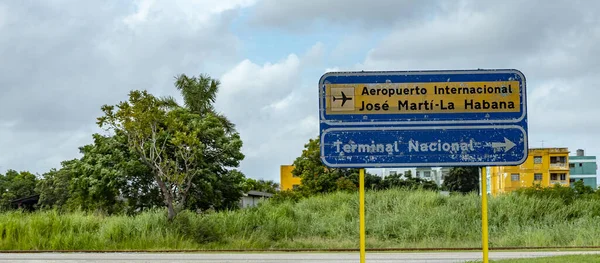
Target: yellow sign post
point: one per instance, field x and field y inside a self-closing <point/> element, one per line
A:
<point x="484" y="215"/>
<point x="362" y="214"/>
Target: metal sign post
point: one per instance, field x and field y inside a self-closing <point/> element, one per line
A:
<point x="362" y="214"/>
<point x="437" y="118"/>
<point x="484" y="216"/>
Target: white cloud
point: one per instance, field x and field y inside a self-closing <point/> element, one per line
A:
<point x="3" y="15"/>
<point x="40" y="149"/>
<point x="314" y="55"/>
<point x="140" y="15"/>
<point x="331" y="69"/>
<point x="301" y="15"/>
<point x="63" y="60"/>
<point x="350" y="44"/>
<point x="261" y="82"/>
<point x="273" y="109"/>
<point x="193" y="12"/>
<point x="491" y="35"/>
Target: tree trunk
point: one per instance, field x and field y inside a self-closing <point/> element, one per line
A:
<point x="172" y="212"/>
<point x="167" y="197"/>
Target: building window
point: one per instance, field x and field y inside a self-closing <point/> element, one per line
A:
<point x="571" y="165"/>
<point x="514" y="177"/>
<point x="580" y="164"/>
<point x="556" y="176"/>
<point x="392" y="172"/>
<point x="537" y="177"/>
<point x="557" y="159"/>
<point x="426" y="174"/>
<point x="537" y="159"/>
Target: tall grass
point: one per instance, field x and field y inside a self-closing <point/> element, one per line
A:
<point x="394" y="218"/>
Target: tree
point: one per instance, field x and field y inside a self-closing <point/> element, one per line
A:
<point x="318" y="178"/>
<point x="199" y="95"/>
<point x="407" y="181"/>
<point x="462" y="179"/>
<point x="581" y="189"/>
<point x="315" y="177"/>
<point x="15" y="185"/>
<point x="261" y="185"/>
<point x="108" y="177"/>
<point x="177" y="143"/>
<point x="54" y="187"/>
<point x="217" y="191"/>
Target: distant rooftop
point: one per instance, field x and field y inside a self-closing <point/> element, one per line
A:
<point x="582" y="157"/>
<point x="552" y="149"/>
<point x="258" y="193"/>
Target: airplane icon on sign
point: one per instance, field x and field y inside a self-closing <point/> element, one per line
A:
<point x="343" y="98"/>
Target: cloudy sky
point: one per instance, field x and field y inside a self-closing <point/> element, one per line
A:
<point x="60" y="60"/>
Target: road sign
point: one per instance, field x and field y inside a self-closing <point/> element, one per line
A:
<point x="368" y="147"/>
<point x="413" y="97"/>
<point x="423" y="118"/>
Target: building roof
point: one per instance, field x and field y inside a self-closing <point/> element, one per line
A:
<point x="582" y="157"/>
<point x="258" y="193"/>
<point x="551" y="149"/>
<point x="26" y="199"/>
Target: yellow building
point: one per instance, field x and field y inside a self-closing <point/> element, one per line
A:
<point x="287" y="179"/>
<point x="544" y="166"/>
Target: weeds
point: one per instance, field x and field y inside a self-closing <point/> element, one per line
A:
<point x="394" y="218"/>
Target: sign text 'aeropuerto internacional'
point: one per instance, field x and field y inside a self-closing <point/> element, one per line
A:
<point x="437" y="97"/>
<point x="366" y="98"/>
<point x="423" y="118"/>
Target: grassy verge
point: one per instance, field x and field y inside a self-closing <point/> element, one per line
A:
<point x="554" y="259"/>
<point x="394" y="218"/>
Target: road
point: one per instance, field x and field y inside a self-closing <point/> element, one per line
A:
<point x="371" y="257"/>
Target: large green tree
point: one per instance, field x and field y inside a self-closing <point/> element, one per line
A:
<point x="178" y="143"/>
<point x="108" y="177"/>
<point x="462" y="179"/>
<point x="215" y="191"/>
<point x="55" y="186"/>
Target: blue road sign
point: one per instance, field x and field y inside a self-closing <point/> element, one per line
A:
<point x="368" y="147"/>
<point x="423" y="118"/>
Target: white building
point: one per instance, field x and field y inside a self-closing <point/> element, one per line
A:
<point x="253" y="198"/>
<point x="436" y="174"/>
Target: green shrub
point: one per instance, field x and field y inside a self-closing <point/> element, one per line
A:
<point x="195" y="227"/>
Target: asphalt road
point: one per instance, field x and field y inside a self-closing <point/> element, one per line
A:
<point x="371" y="257"/>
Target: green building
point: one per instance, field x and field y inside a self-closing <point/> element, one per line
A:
<point x="583" y="168"/>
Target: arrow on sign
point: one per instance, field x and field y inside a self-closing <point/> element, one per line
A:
<point x="507" y="144"/>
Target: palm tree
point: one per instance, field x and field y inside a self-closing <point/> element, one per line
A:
<point x="199" y="95"/>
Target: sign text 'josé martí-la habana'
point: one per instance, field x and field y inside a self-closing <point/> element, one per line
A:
<point x="423" y="118"/>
